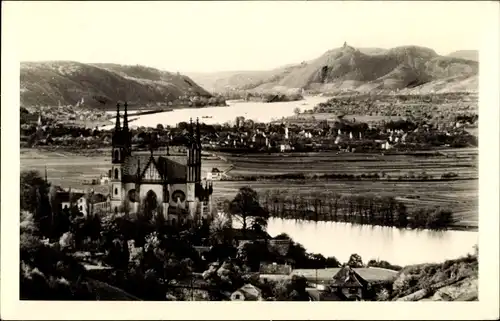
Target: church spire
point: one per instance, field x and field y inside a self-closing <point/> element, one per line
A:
<point x="126" y="134"/>
<point x="191" y="131"/>
<point x="117" y="123"/>
<point x="125" y="118"/>
<point x="198" y="137"/>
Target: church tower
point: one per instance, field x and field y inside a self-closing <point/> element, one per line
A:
<point x="120" y="149"/>
<point x="193" y="171"/>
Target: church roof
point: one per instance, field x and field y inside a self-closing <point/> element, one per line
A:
<point x="171" y="167"/>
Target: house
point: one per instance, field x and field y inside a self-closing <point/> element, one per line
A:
<point x="349" y="283"/>
<point x="98" y="203"/>
<point x="259" y="140"/>
<point x="280" y="246"/>
<point x="386" y="146"/>
<point x="285" y="148"/>
<point x="86" y="204"/>
<point x="68" y="200"/>
<point x="104" y="179"/>
<point x="216" y="174"/>
<point x="247" y="292"/>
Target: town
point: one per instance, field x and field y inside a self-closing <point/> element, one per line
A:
<point x="301" y="133"/>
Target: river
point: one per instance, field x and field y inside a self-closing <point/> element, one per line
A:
<point x="400" y="247"/>
<point x="257" y="111"/>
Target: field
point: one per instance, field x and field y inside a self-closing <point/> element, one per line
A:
<point x="460" y="196"/>
<point x="462" y="161"/>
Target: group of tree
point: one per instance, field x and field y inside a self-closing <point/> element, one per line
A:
<point x="358" y="209"/>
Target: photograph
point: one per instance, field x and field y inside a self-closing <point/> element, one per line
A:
<point x="248" y="151"/>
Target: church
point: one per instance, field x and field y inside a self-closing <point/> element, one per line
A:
<point x="156" y="182"/>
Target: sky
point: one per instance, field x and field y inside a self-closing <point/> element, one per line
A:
<point x="241" y="35"/>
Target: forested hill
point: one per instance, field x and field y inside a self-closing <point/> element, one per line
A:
<point x="54" y="83"/>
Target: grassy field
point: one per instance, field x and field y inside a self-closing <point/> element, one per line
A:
<point x="461" y="196"/>
<point x="463" y="162"/>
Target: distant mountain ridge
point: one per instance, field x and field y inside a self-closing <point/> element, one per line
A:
<point x="100" y="85"/>
<point x="363" y="69"/>
<point x="465" y="54"/>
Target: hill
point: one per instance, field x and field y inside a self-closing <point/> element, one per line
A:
<point x="362" y="70"/>
<point x="453" y="280"/>
<point x="465" y="54"/>
<point x="100" y="85"/>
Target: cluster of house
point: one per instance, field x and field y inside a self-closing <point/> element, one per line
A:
<point x="85" y="203"/>
<point x="257" y="138"/>
<point x="285" y="137"/>
<point x="64" y="113"/>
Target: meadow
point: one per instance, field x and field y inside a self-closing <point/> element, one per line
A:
<point x="460" y="161"/>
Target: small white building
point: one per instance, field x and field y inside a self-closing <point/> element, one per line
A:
<point x="215" y="174"/>
<point x="386" y="146"/>
<point x="285" y="148"/>
<point x="104" y="180"/>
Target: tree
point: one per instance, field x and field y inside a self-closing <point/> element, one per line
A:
<point x="332" y="261"/>
<point x="34" y="198"/>
<point x="31" y="184"/>
<point x="220" y="228"/>
<point x="296" y="111"/>
<point x="355" y="261"/>
<point x="246" y="207"/>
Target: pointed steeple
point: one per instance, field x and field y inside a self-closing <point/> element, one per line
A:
<point x="117" y="122"/>
<point x="126" y="134"/>
<point x="191" y="131"/>
<point x="198" y="136"/>
<point x="125" y="118"/>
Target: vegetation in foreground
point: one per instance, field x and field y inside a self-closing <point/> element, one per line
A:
<point x="141" y="258"/>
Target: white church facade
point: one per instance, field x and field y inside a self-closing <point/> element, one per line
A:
<point x="157" y="183"/>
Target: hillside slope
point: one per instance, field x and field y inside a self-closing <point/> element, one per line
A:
<point x="100" y="85"/>
<point x="453" y="280"/>
<point x="363" y="70"/>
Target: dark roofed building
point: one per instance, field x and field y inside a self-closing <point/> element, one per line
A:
<point x="349" y="283"/>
